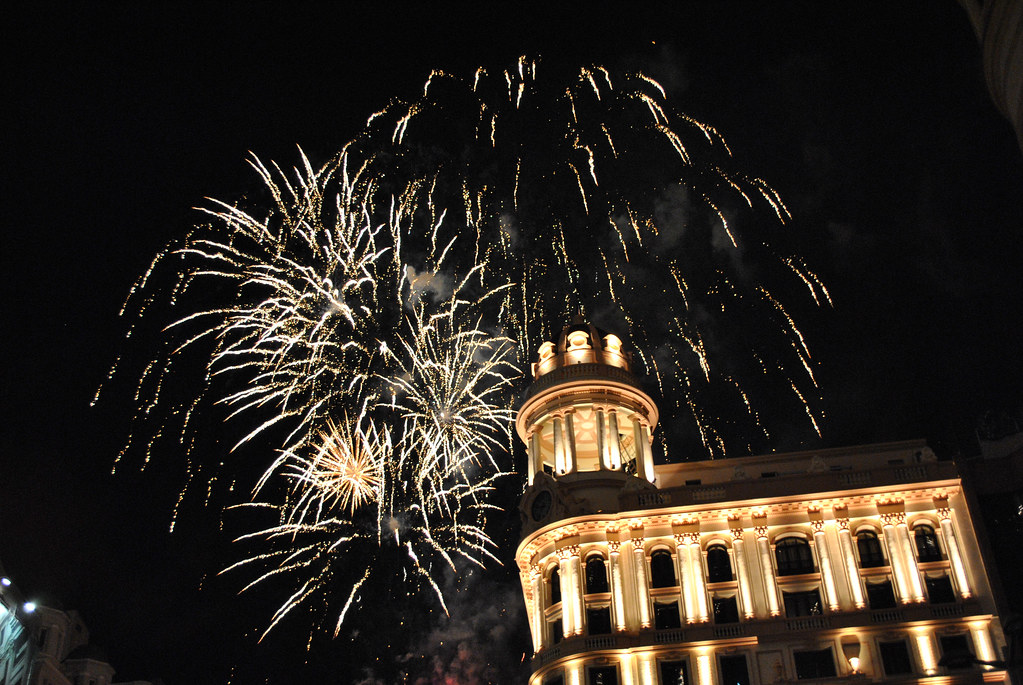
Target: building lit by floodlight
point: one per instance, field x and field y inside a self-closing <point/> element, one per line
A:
<point x="828" y="565"/>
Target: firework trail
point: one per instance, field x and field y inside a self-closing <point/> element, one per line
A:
<point x="353" y="323"/>
<point x="388" y="403"/>
<point x="591" y="193"/>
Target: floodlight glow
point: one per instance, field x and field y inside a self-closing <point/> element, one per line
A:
<point x="29" y="607"/>
<point x="5" y="581"/>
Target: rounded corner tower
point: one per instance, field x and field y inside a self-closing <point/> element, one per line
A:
<point x="587" y="425"/>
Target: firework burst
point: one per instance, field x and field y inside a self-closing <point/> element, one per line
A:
<point x="354" y="322"/>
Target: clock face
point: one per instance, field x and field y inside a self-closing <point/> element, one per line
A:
<point x="541" y="505"/>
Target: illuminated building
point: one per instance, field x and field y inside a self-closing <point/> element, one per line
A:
<point x="858" y="563"/>
<point x="41" y="645"/>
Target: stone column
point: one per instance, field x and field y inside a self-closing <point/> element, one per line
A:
<point x="577" y="590"/>
<point x="682" y="570"/>
<point x="617" y="587"/>
<point x="955" y="556"/>
<point x="697" y="574"/>
<point x="766" y="566"/>
<point x="637" y="444"/>
<point x="571" y="462"/>
<point x="852" y="569"/>
<point x="567" y="595"/>
<point x="914" y="583"/>
<point x="536" y="585"/>
<point x="642" y="584"/>
<point x="602" y="452"/>
<point x="888" y="521"/>
<point x="820" y="541"/>
<point x="560" y="466"/>
<point x="648" y="455"/>
<point x="612" y="439"/>
<point x="741" y="569"/>
<point x="533" y="454"/>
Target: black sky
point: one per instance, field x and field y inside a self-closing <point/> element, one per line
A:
<point x="872" y="121"/>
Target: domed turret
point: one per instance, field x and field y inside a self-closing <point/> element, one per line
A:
<point x="586" y="421"/>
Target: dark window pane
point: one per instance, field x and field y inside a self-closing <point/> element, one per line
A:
<point x="926" y="544"/>
<point x="955" y="651"/>
<point x="555" y="680"/>
<point x="816" y="664"/>
<point x="674" y="673"/>
<point x="599" y="621"/>
<point x="895" y="657"/>
<point x="662" y="569"/>
<point x="603" y="675"/>
<point x="666" y="616"/>
<point x="733" y="670"/>
<point x="596" y="575"/>
<point x="719" y="567"/>
<point x="881" y="595"/>
<point x="726" y="610"/>
<point x="557" y="631"/>
<point x="793" y="556"/>
<point x="869" y="548"/>
<point x="555" y="584"/>
<point x="939" y="590"/>
<point x="803" y="603"/>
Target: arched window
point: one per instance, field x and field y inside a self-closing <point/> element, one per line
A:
<point x="596" y="574"/>
<point x="927" y="548"/>
<point x="555" y="583"/>
<point x="719" y="566"/>
<point x="869" y="547"/>
<point x="793" y="556"/>
<point x="662" y="569"/>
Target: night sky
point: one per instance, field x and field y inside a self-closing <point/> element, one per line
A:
<point x="873" y="122"/>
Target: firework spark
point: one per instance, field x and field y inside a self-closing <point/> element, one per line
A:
<point x="354" y="323"/>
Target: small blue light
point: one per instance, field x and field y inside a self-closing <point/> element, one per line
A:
<point x="29" y="607"/>
<point x="5" y="581"/>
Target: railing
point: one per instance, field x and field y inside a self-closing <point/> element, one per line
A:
<point x="708" y="494"/>
<point x="664" y="637"/>
<point x="600" y="642"/>
<point x="946" y="610"/>
<point x="808" y="623"/>
<point x="792" y="484"/>
<point x="550" y="654"/>
<point x="654" y="499"/>
<point x="737" y="630"/>
<point x="584" y="371"/>
<point x="886" y="616"/>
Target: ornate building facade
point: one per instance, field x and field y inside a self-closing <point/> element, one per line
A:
<point x="832" y="565"/>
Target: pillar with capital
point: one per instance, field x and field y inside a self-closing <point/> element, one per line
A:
<point x="741" y="568"/>
<point x="642" y="584"/>
<point x="852" y="570"/>
<point x="955" y="556"/>
<point x="766" y="567"/>
<point x="617" y="586"/>
<point x="820" y="542"/>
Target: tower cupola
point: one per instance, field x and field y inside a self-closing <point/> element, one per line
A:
<point x="586" y="421"/>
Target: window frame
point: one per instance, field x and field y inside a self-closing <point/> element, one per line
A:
<point x="658" y="554"/>
<point x="794" y="541"/>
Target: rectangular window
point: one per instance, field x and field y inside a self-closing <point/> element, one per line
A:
<point x="599" y="621"/>
<point x="803" y="603"/>
<point x="674" y="673"/>
<point x="555" y="680"/>
<point x="733" y="670"/>
<point x="816" y="664"/>
<point x="726" y="610"/>
<point x="557" y="632"/>
<point x="955" y="651"/>
<point x="602" y="675"/>
<point x="895" y="657"/>
<point x="880" y="595"/>
<point x="666" y="616"/>
<point x="939" y="589"/>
